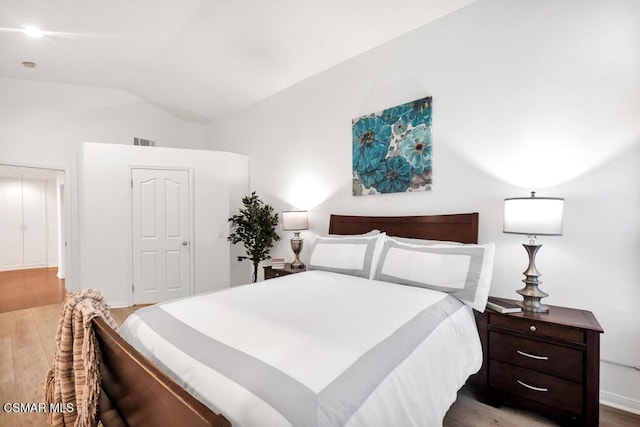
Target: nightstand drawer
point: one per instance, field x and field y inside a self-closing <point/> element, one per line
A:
<point x="277" y="273"/>
<point x="546" y="389"/>
<point x="552" y="359"/>
<point x="534" y="327"/>
<point x="272" y="273"/>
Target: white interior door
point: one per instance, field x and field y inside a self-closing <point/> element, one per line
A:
<point x="34" y="215"/>
<point x="23" y="224"/>
<point x="11" y="249"/>
<point x="161" y="234"/>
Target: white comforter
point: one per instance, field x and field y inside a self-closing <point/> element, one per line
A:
<point x="312" y="327"/>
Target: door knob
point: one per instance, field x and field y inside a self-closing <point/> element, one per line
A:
<point x="185" y="243"/>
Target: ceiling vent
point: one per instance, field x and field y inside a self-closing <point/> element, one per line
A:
<point x="144" y="142"/>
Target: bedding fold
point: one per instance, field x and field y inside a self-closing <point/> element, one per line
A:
<point x="337" y="402"/>
<point x="311" y="349"/>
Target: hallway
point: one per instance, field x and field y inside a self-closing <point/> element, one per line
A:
<point x="30" y="288"/>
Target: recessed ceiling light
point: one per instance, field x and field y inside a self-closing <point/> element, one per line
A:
<point x="29" y="64"/>
<point x="33" y="32"/>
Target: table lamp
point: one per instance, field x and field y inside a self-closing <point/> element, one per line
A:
<point x="295" y="221"/>
<point x="533" y="216"/>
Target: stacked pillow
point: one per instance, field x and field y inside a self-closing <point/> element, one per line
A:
<point x="462" y="270"/>
<point x="356" y="255"/>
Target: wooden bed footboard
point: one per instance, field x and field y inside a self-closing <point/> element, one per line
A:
<point x="136" y="393"/>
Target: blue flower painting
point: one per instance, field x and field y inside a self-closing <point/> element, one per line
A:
<point x="392" y="149"/>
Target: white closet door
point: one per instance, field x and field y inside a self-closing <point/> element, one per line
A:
<point x="11" y="249"/>
<point x="23" y="224"/>
<point x="34" y="216"/>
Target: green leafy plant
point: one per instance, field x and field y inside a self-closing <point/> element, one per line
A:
<point x="255" y="227"/>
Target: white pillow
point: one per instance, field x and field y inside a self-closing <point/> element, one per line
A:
<point x="353" y="255"/>
<point x="367" y="234"/>
<point x="464" y="271"/>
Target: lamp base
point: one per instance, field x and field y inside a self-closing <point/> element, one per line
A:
<point x="532" y="304"/>
<point x="531" y="293"/>
<point x="297" y="265"/>
<point x="296" y="247"/>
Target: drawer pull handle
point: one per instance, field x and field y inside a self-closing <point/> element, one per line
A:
<point x="532" y="328"/>
<point x="530" y="387"/>
<point x="532" y="356"/>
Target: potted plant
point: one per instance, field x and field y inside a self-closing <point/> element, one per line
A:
<point x="255" y="227"/>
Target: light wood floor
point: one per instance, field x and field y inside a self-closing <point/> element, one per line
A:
<point x="30" y="288"/>
<point x="26" y="351"/>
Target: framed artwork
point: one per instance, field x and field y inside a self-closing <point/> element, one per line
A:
<point x="392" y="149"/>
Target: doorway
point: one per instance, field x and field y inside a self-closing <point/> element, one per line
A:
<point x="161" y="234"/>
<point x="31" y="259"/>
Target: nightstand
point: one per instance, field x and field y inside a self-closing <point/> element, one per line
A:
<point x="547" y="362"/>
<point x="270" y="273"/>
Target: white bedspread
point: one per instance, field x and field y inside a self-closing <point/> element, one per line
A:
<point x="313" y="326"/>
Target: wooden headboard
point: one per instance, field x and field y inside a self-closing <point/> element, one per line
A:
<point x="457" y="227"/>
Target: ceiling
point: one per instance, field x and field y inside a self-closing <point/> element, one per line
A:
<point x="199" y="59"/>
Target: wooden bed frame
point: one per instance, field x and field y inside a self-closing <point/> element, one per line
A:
<point x="136" y="393"/>
<point x="455" y="228"/>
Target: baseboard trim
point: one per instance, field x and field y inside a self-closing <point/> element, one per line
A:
<point x="120" y="304"/>
<point x="22" y="268"/>
<point x="620" y="402"/>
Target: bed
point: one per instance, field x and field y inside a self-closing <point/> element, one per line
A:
<point x="330" y="346"/>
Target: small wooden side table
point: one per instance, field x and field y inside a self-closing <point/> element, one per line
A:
<point x="271" y="273"/>
<point x="548" y="362"/>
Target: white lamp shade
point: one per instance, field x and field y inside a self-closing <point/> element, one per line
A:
<point x="294" y="220"/>
<point x="533" y="216"/>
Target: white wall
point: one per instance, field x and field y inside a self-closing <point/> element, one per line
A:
<point x="60" y="224"/>
<point x="527" y="95"/>
<point x="52" y="223"/>
<point x="42" y="124"/>
<point x="104" y="213"/>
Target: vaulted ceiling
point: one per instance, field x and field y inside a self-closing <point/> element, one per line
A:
<point x="199" y="59"/>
